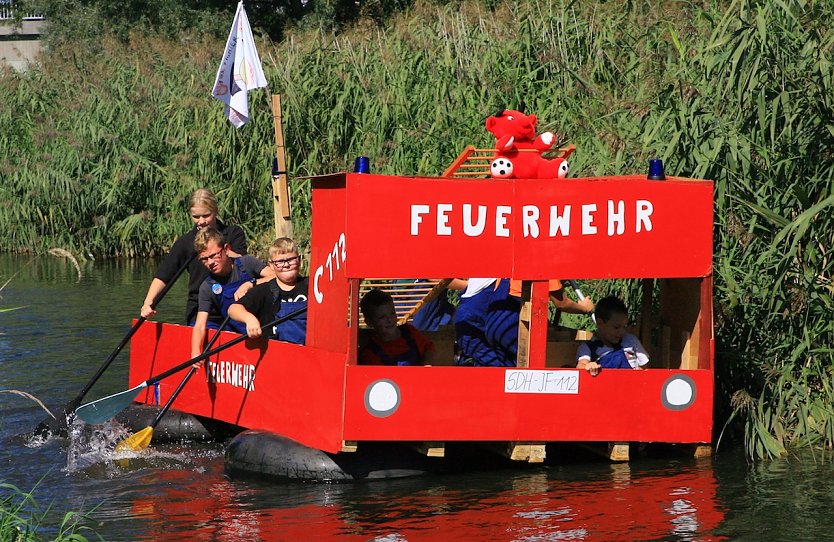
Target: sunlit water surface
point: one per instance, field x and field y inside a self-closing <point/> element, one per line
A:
<point x="67" y="327"/>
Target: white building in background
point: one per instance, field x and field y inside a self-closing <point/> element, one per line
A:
<point x="19" y="45"/>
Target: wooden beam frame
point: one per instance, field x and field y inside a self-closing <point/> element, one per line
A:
<point x="280" y="187"/>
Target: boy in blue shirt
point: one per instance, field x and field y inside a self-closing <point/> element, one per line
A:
<point x="229" y="279"/>
<point x="611" y="347"/>
<point x="277" y="298"/>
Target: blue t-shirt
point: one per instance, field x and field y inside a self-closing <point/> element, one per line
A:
<point x="630" y="346"/>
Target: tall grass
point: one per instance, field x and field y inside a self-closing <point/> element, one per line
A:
<point x="101" y="153"/>
<point x="102" y="150"/>
<point x="22" y="519"/>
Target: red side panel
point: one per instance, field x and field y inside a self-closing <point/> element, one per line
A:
<point x="466" y="403"/>
<point x="327" y="322"/>
<point x="290" y="390"/>
<point x="528" y="228"/>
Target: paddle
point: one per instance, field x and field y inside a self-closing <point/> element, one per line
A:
<point x="433" y="293"/>
<point x="101" y="410"/>
<point x="142" y="439"/>
<point x="70" y="407"/>
<point x="580" y="295"/>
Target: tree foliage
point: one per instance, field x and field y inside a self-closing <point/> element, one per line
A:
<point x="84" y="21"/>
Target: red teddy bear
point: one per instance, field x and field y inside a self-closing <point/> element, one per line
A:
<point x="519" y="150"/>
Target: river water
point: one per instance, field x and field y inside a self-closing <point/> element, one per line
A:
<point x="67" y="326"/>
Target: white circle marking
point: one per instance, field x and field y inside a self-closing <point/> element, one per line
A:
<point x="678" y="392"/>
<point x="382" y="397"/>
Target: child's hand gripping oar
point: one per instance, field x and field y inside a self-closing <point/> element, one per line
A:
<point x="580" y="295"/>
<point x="103" y="409"/>
<point x="142" y="439"/>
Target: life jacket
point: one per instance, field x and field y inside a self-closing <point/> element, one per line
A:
<point x="437" y="312"/>
<point x="501" y="327"/>
<point x="410" y="357"/>
<point x="613" y="359"/>
<point x="471" y="321"/>
<point x="293" y="330"/>
<point x="225" y="296"/>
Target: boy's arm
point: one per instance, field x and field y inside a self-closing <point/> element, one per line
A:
<point x="642" y="354"/>
<point x="267" y="274"/>
<point x="198" y="333"/>
<point x="583" y="360"/>
<point x="264" y="272"/>
<point x="458" y="284"/>
<point x="591" y="366"/>
<point x="239" y="313"/>
<point x="566" y="304"/>
<point x="156" y="286"/>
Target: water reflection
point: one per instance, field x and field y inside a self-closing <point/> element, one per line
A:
<point x="540" y="505"/>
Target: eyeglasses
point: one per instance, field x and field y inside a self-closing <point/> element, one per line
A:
<point x="214" y="256"/>
<point x="286" y="262"/>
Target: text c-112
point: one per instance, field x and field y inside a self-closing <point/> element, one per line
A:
<point x="336" y="258"/>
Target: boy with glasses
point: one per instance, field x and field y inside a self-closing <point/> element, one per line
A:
<point x="277" y="298"/>
<point x="229" y="279"/>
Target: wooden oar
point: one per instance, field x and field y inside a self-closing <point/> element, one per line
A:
<point x="433" y="293"/>
<point x="101" y="410"/>
<point x="69" y="409"/>
<point x="580" y="295"/>
<point x="142" y="439"/>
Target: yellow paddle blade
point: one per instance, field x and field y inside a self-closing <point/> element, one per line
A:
<point x="136" y="441"/>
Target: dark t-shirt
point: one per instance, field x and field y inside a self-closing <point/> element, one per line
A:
<point x="208" y="302"/>
<point x="264" y="300"/>
<point x="183" y="249"/>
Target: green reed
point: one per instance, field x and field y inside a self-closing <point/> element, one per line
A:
<point x="101" y="150"/>
<point x="23" y="519"/>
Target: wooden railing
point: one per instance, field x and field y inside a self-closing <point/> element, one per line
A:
<point x="473" y="163"/>
<point x="409" y="294"/>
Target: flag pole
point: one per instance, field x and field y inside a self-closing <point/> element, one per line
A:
<point x="280" y="188"/>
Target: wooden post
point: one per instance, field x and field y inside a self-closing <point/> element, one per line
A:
<point x="532" y="325"/>
<point x="280" y="188"/>
<point x="646" y="322"/>
<point x="525" y="318"/>
<point x="430" y="449"/>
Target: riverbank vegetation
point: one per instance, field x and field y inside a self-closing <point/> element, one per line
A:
<point x="102" y="148"/>
<point x="22" y="519"/>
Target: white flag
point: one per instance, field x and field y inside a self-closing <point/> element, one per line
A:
<point x="240" y="70"/>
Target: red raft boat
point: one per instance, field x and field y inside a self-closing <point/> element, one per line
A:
<point x="313" y="412"/>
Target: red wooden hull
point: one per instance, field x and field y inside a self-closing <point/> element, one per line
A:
<point x="313" y="396"/>
<point x="533" y="230"/>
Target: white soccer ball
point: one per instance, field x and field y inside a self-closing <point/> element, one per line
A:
<point x="501" y="168"/>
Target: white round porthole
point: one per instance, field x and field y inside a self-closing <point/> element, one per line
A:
<point x="678" y="392"/>
<point x="382" y="398"/>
